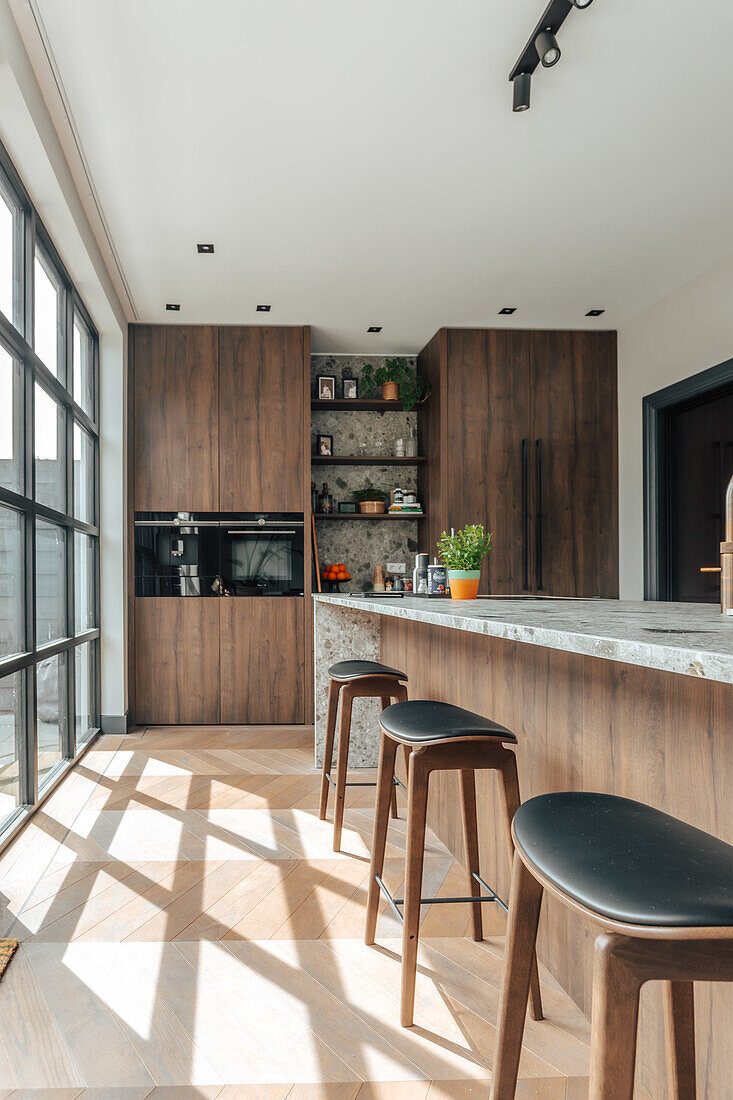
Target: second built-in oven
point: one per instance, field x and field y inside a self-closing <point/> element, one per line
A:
<point x="262" y="553"/>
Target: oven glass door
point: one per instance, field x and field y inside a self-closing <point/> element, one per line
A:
<point x="176" y="554"/>
<point x="262" y="554"/>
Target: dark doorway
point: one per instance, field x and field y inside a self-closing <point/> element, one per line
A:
<point x="688" y="458"/>
<point x="700" y="448"/>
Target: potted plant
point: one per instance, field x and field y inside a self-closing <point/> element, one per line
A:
<point x="462" y="553"/>
<point x="371" y="499"/>
<point x="398" y="380"/>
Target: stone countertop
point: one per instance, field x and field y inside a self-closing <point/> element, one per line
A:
<point x="689" y="639"/>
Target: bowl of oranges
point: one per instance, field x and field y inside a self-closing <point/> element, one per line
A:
<point x="333" y="576"/>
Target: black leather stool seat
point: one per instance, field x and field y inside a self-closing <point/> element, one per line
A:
<point x="355" y="670"/>
<point x="627" y="861"/>
<point x="420" y="721"/>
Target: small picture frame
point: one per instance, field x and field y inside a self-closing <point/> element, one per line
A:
<point x="347" y="507"/>
<point x="324" y="445"/>
<point x="326" y="387"/>
<point x="349" y="389"/>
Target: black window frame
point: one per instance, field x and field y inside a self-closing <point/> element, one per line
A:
<point x="19" y="343"/>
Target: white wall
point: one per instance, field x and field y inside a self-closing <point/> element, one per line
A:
<point x="29" y="135"/>
<point x="685" y="333"/>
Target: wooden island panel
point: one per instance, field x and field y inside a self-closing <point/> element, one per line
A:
<point x="586" y="724"/>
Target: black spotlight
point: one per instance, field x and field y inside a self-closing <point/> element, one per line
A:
<point x="547" y="48"/>
<point x="522" y="84"/>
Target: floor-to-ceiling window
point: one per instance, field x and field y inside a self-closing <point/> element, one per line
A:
<point x="49" y="509"/>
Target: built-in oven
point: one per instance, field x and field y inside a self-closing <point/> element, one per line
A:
<point x="262" y="553"/>
<point x="177" y="554"/>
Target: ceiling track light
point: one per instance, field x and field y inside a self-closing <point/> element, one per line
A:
<point x="541" y="49"/>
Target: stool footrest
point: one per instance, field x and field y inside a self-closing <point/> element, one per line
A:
<point x="488" y="896"/>
<point x="397" y="782"/>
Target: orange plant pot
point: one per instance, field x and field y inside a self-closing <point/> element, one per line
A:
<point x="390" y="391"/>
<point x="463" y="587"/>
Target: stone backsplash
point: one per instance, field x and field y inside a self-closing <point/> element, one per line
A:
<point x="361" y="544"/>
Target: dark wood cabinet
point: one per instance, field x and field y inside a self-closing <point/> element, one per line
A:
<point x="220" y="423"/>
<point x="520" y="435"/>
<point x="177" y="661"/>
<point x="176" y="418"/>
<point x="263" y="405"/>
<point x="262" y="661"/>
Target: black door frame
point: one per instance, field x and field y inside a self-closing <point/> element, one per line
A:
<point x="656" y="412"/>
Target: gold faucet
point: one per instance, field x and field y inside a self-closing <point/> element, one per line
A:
<point x="726" y="555"/>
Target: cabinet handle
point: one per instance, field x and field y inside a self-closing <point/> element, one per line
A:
<point x="525" y="510"/>
<point x="539" y="515"/>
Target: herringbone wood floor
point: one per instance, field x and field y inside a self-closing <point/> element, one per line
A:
<point x="187" y="931"/>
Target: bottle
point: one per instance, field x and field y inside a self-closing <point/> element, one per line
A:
<point x="411" y="444"/>
<point x="314" y="497"/>
<point x="399" y="448"/>
<point x="325" y="503"/>
<point x="420" y="573"/>
<point x="379" y="581"/>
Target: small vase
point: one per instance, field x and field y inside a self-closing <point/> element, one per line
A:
<point x="464" y="583"/>
<point x="390" y="391"/>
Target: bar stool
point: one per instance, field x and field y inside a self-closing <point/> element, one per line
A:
<point x="438" y="737"/>
<point x="351" y="680"/>
<point x="663" y="893"/>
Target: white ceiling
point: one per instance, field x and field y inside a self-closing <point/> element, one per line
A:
<point x="359" y="163"/>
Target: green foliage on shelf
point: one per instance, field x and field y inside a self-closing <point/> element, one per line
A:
<point x="370" y="493"/>
<point x="413" y="388"/>
<point x="464" y="549"/>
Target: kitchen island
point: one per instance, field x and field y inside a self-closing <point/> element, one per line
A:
<point x="629" y="698"/>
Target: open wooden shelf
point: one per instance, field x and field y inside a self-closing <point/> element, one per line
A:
<point x="359" y="404"/>
<point x="368" y="515"/>
<point x="365" y="460"/>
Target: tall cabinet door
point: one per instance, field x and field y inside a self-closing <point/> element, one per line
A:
<point x="176" y="418"/>
<point x="262" y="419"/>
<point x="574" y="463"/>
<point x="262" y="661"/>
<point x="488" y="422"/>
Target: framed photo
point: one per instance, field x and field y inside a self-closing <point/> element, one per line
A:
<point x="347" y="506"/>
<point x="326" y="388"/>
<point x="324" y="444"/>
<point x="350" y="389"/>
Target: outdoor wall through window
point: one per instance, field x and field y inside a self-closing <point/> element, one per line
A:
<point x="49" y="510"/>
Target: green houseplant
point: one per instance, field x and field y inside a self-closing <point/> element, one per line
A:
<point x="371" y="499"/>
<point x="462" y="553"/>
<point x="398" y="380"/>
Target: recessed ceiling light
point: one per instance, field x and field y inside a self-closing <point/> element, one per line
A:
<point x="263" y="309"/>
<point x="374" y="328"/>
<point x="205" y="248"/>
<point x="506" y="310"/>
<point x="595" y="312"/>
<point x="175" y="306"/>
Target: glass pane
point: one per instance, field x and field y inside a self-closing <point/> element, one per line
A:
<point x="84" y="582"/>
<point x="11" y="732"/>
<point x="12" y="633"/>
<point x="47" y="309"/>
<point x="51" y="702"/>
<point x="50" y="582"/>
<point x="49" y="452"/>
<point x="11" y="422"/>
<point x="10" y="239"/>
<point x="86" y="718"/>
<point x="83" y="368"/>
<point x="83" y="475"/>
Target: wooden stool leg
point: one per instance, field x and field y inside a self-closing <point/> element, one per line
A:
<point x="342" y="765"/>
<point x="417" y="804"/>
<point x="524" y="914"/>
<point x="470" y="833"/>
<point x="385" y="776"/>
<point x="333" y="699"/>
<point x="614" y="1022"/>
<point x="509" y="782"/>
<point x="680" y="1020"/>
<point x="386" y="701"/>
